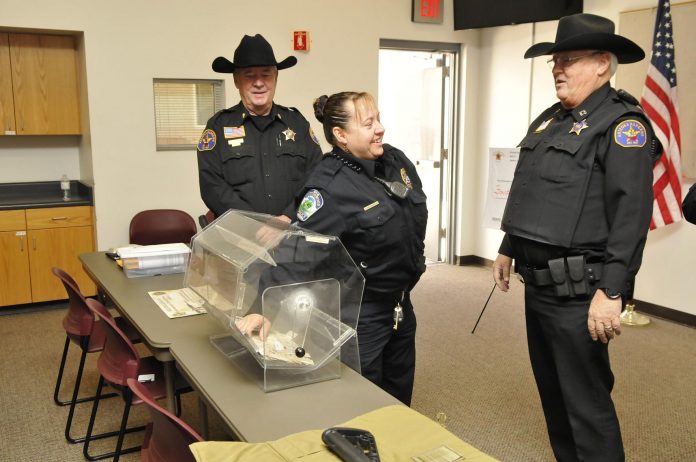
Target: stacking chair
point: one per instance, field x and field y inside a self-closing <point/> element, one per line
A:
<point x="167" y="437"/>
<point x="161" y="226"/>
<point x="118" y="362"/>
<point x="82" y="329"/>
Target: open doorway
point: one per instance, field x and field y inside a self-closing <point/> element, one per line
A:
<point x="417" y="83"/>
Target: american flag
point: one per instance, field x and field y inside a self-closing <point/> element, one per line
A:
<point x="659" y="100"/>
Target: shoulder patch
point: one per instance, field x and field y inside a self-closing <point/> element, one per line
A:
<point x="311" y="202"/>
<point x="207" y="140"/>
<point x="313" y="136"/>
<point x="630" y="134"/>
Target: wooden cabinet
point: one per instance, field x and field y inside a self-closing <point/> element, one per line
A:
<point x="15" y="285"/>
<point x="38" y="85"/>
<point x="52" y="237"/>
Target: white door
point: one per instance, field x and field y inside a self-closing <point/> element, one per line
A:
<point x="415" y="100"/>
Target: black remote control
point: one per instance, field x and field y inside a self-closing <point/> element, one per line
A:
<point x="351" y="444"/>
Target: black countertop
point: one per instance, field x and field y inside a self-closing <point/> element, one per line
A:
<point x="43" y="194"/>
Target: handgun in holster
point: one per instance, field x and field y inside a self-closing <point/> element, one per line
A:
<point x="568" y="275"/>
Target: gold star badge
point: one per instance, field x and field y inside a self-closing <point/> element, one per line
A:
<point x="289" y="134"/>
<point x="578" y="127"/>
<point x="543" y="125"/>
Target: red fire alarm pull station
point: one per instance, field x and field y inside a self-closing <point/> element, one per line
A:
<point x="301" y="40"/>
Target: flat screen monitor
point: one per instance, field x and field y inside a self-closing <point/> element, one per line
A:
<point x="473" y="14"/>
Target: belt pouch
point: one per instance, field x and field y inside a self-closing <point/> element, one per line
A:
<point x="576" y="271"/>
<point x="558" y="276"/>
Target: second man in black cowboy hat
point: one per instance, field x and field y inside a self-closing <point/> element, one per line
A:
<point x="576" y="221"/>
<point x="255" y="155"/>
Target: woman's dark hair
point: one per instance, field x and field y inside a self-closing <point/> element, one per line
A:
<point x="333" y="111"/>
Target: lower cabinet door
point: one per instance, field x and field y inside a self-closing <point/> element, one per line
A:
<point x="15" y="283"/>
<point x="58" y="247"/>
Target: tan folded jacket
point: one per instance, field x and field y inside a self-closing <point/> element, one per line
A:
<point x="400" y="432"/>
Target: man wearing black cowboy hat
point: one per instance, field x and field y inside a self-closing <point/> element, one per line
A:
<point x="576" y="221"/>
<point x="255" y="155"/>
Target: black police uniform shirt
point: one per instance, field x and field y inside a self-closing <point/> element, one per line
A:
<point x="583" y="185"/>
<point x="383" y="234"/>
<point x="255" y="163"/>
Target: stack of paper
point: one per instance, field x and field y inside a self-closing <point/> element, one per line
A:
<point x="154" y="259"/>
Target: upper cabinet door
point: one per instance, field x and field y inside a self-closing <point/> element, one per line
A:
<point x="44" y="80"/>
<point x="7" y="117"/>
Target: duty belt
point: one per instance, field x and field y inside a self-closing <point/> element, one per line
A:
<point x="570" y="275"/>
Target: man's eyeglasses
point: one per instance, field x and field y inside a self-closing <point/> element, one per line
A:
<point x="565" y="61"/>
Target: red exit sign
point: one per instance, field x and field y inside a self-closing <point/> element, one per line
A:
<point x="429" y="11"/>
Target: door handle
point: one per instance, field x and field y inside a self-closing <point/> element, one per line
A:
<point x="436" y="163"/>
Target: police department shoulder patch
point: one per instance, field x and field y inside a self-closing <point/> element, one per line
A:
<point x="311" y="202"/>
<point x="630" y="134"/>
<point x="313" y="136"/>
<point x="207" y="140"/>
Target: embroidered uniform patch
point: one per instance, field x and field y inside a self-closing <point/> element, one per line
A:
<point x="207" y="140"/>
<point x="407" y="180"/>
<point x="234" y="132"/>
<point x="311" y="202"/>
<point x="313" y="136"/>
<point x="630" y="134"/>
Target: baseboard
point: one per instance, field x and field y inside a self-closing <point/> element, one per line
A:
<point x="472" y="260"/>
<point x="648" y="308"/>
<point x="662" y="312"/>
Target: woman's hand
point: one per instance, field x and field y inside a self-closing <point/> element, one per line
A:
<point x="254" y="323"/>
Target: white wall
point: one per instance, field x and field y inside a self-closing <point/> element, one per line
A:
<point x="506" y="98"/>
<point x="128" y="43"/>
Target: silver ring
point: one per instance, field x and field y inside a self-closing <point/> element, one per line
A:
<point x="608" y="328"/>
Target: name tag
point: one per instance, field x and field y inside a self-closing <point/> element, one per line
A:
<point x="368" y="207"/>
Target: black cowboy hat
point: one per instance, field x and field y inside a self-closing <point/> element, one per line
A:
<point x="588" y="32"/>
<point x="251" y="52"/>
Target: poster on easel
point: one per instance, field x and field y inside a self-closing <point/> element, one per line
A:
<point x="501" y="170"/>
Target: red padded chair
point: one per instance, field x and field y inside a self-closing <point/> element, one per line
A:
<point x="118" y="362"/>
<point x="167" y="437"/>
<point x="161" y="226"/>
<point x="82" y="329"/>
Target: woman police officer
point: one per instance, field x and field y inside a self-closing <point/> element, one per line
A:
<point x="369" y="195"/>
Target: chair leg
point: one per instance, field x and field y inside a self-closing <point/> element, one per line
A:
<point x="59" y="381"/>
<point x="56" y="399"/>
<point x="121" y="432"/>
<point x="74" y="401"/>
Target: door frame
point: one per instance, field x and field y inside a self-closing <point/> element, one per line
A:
<point x="449" y="178"/>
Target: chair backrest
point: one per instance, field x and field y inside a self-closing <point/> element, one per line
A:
<point x="79" y="320"/>
<point x="205" y="220"/>
<point x="168" y="437"/>
<point x="161" y="226"/>
<point x="119" y="360"/>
